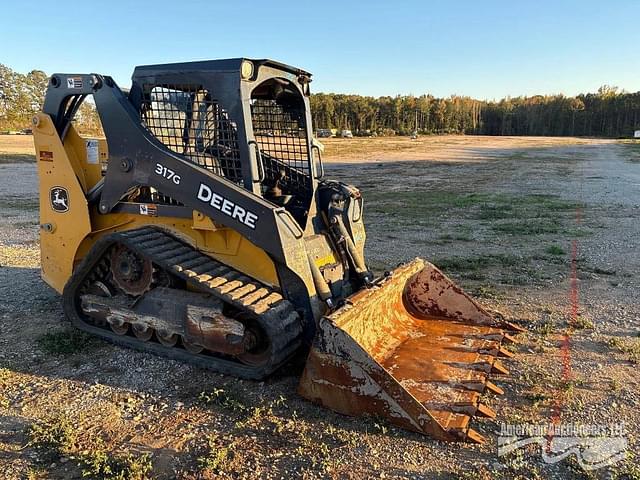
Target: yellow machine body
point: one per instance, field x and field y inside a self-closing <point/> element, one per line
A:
<point x="66" y="237"/>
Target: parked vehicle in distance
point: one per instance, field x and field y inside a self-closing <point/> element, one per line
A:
<point x="324" y="133"/>
<point x="346" y="134"/>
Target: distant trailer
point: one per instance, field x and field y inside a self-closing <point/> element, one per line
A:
<point x="636" y="134"/>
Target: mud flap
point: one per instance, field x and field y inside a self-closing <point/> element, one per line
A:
<point x="414" y="349"/>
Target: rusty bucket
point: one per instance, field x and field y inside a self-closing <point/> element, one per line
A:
<point x="414" y="349"/>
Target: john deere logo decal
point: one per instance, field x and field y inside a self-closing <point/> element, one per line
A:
<point x="59" y="199"/>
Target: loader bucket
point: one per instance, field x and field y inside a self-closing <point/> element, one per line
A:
<point x="414" y="349"/>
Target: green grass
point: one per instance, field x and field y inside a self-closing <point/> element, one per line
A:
<point x="630" y="347"/>
<point x="224" y="399"/>
<point x="29" y="224"/>
<point x="555" y="250"/>
<point x="65" y="342"/>
<point x="57" y="436"/>
<point x="582" y="323"/>
<point x="20" y="203"/>
<point x="6" y="158"/>
<point x="462" y="234"/>
<point x="596" y="270"/>
<point x="98" y="464"/>
<point x="471" y="264"/>
<point x="216" y="459"/>
<point x="53" y="436"/>
<point x="529" y="227"/>
<point x="487" y="291"/>
<point x="421" y="203"/>
<point x="532" y="214"/>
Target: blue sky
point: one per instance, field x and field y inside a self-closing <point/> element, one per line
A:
<point x="484" y="49"/>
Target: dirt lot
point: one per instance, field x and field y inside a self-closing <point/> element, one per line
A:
<point x="509" y="218"/>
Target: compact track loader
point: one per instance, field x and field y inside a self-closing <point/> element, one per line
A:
<point x="201" y="228"/>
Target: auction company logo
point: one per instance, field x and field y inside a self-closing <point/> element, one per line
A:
<point x="595" y="446"/>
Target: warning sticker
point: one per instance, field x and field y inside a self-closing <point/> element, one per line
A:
<point x="149" y="209"/>
<point x="46" y="156"/>
<point x="93" y="151"/>
<point x="74" y="82"/>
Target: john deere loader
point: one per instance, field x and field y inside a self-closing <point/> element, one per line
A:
<point x="201" y="228"/>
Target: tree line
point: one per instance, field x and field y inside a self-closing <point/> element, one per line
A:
<point x="607" y="113"/>
<point x="21" y="96"/>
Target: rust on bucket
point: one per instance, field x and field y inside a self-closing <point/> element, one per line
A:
<point x="415" y="349"/>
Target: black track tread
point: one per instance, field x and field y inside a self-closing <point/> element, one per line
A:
<point x="276" y="315"/>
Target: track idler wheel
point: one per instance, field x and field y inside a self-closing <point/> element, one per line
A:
<point x="119" y="329"/>
<point x="191" y="347"/>
<point x="142" y="332"/>
<point x="167" y="339"/>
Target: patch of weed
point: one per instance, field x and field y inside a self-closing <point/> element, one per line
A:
<point x="17" y="158"/>
<point x="32" y="223"/>
<point x="224" y="399"/>
<point x="315" y="450"/>
<point x="256" y="416"/>
<point x="544" y="328"/>
<point x="216" y="459"/>
<point x="628" y="470"/>
<point x="13" y="202"/>
<point x="596" y="270"/>
<point x="465" y="264"/>
<point x="487" y="291"/>
<point x="537" y="398"/>
<point x="577" y="232"/>
<point x="98" y="464"/>
<point x="555" y="250"/>
<point x="582" y="323"/>
<point x="538" y="226"/>
<point x="54" y="436"/>
<point x="65" y="342"/>
<point x="57" y="436"/>
<point x="5" y="374"/>
<point x="631" y="348"/>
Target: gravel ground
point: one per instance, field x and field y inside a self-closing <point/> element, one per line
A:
<point x="503" y="220"/>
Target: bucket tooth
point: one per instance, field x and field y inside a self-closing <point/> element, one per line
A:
<point x="414" y="349"/>
<point x="483" y="366"/>
<point x="473" y="385"/>
<point x="486" y="366"/>
<point x="476" y="409"/>
<point x="496" y="337"/>
<point x="471" y="436"/>
<point x="506" y="338"/>
<point x="475" y="437"/>
<point x="497" y="367"/>
<point x="485" y="411"/>
<point x="503" y="352"/>
<point x="481" y="386"/>
<point x="497" y="352"/>
<point x="492" y="387"/>
<point x="512" y="327"/>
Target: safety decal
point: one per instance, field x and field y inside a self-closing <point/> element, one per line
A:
<point x="46" y="156"/>
<point x="74" y="82"/>
<point x="149" y="209"/>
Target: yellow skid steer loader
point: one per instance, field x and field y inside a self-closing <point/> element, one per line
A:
<point x="201" y="228"/>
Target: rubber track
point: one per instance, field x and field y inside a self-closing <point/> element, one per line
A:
<point x="274" y="313"/>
